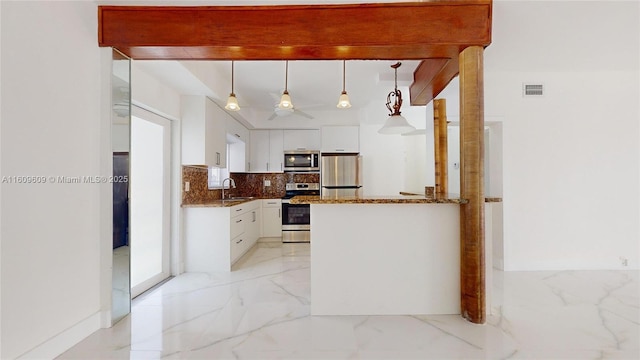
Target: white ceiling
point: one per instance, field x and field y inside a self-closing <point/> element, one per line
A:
<point x="314" y="87"/>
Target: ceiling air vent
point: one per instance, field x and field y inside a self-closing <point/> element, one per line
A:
<point x="532" y="90"/>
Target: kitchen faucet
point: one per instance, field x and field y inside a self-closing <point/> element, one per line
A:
<point x="232" y="183"/>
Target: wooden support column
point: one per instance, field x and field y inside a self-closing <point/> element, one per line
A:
<point x="440" y="146"/>
<point x="472" y="256"/>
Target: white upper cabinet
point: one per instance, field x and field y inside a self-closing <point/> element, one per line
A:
<point x="238" y="146"/>
<point x="259" y="151"/>
<point x="266" y="151"/>
<point x="237" y="156"/>
<point x="204" y="136"/>
<point x="340" y="139"/>
<point x="237" y="130"/>
<point x="302" y="139"/>
<point x="276" y="151"/>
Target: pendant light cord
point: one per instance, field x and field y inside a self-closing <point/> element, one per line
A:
<point x="286" y="75"/>
<point x="396" y="80"/>
<point x="344" y="67"/>
<point x="232" y="76"/>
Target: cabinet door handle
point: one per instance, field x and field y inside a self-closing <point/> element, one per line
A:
<point x="281" y="167"/>
<point x="237" y="135"/>
<point x="339" y="149"/>
<point x="238" y="209"/>
<point x="267" y="166"/>
<point x="279" y="213"/>
<point x="239" y="241"/>
<point x="217" y="158"/>
<point x="238" y="221"/>
<point x="254" y="216"/>
<point x="249" y="166"/>
<point x="271" y="203"/>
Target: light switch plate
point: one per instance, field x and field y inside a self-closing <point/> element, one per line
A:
<point x="186" y="186"/>
<point x="267" y="183"/>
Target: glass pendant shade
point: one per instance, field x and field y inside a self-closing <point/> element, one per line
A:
<point x="396" y="124"/>
<point x="285" y="101"/>
<point x="232" y="103"/>
<point x="343" y="102"/>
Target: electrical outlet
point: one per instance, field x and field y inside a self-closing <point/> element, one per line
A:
<point x="186" y="186"/>
<point x="267" y="183"/>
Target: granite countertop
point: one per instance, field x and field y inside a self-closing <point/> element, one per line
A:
<point x="391" y="199"/>
<point x="400" y="199"/>
<point x="220" y="203"/>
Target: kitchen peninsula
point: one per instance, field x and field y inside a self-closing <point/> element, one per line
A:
<point x="385" y="255"/>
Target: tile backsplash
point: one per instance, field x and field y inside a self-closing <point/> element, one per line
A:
<point x="198" y="189"/>
<point x="247" y="184"/>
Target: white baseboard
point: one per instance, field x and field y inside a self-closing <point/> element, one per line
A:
<point x="62" y="342"/>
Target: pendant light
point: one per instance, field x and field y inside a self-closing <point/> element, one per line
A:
<point x="343" y="101"/>
<point x="285" y="100"/>
<point x="232" y="102"/>
<point x="396" y="123"/>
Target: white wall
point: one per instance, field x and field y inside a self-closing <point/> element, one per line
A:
<point x="389" y="162"/>
<point x="51" y="114"/>
<point x="150" y="94"/>
<point x="1" y="192"/>
<point x="571" y="159"/>
<point x="383" y="157"/>
<point x="570" y="170"/>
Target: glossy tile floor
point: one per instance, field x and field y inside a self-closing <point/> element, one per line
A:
<point x="261" y="311"/>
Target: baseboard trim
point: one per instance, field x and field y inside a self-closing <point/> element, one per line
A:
<point x="62" y="342"/>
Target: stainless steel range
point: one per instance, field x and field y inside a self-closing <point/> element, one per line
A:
<point x="296" y="218"/>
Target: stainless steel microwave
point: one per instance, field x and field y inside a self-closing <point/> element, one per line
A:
<point x="301" y="160"/>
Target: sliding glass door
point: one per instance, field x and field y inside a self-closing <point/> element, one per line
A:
<point x="150" y="199"/>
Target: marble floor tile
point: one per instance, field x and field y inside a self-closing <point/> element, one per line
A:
<point x="261" y="310"/>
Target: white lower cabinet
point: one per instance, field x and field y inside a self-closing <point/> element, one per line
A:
<point x="271" y="218"/>
<point x="216" y="237"/>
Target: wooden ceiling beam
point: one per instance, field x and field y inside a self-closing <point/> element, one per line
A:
<point x="430" y="30"/>
<point x="430" y="78"/>
<point x="293" y="53"/>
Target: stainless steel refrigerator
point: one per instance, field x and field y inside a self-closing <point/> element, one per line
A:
<point x="341" y="176"/>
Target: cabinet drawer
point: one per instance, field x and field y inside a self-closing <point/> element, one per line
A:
<point x="240" y="223"/>
<point x="238" y="246"/>
<point x="244" y="208"/>
<point x="239" y="210"/>
<point x="271" y="203"/>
